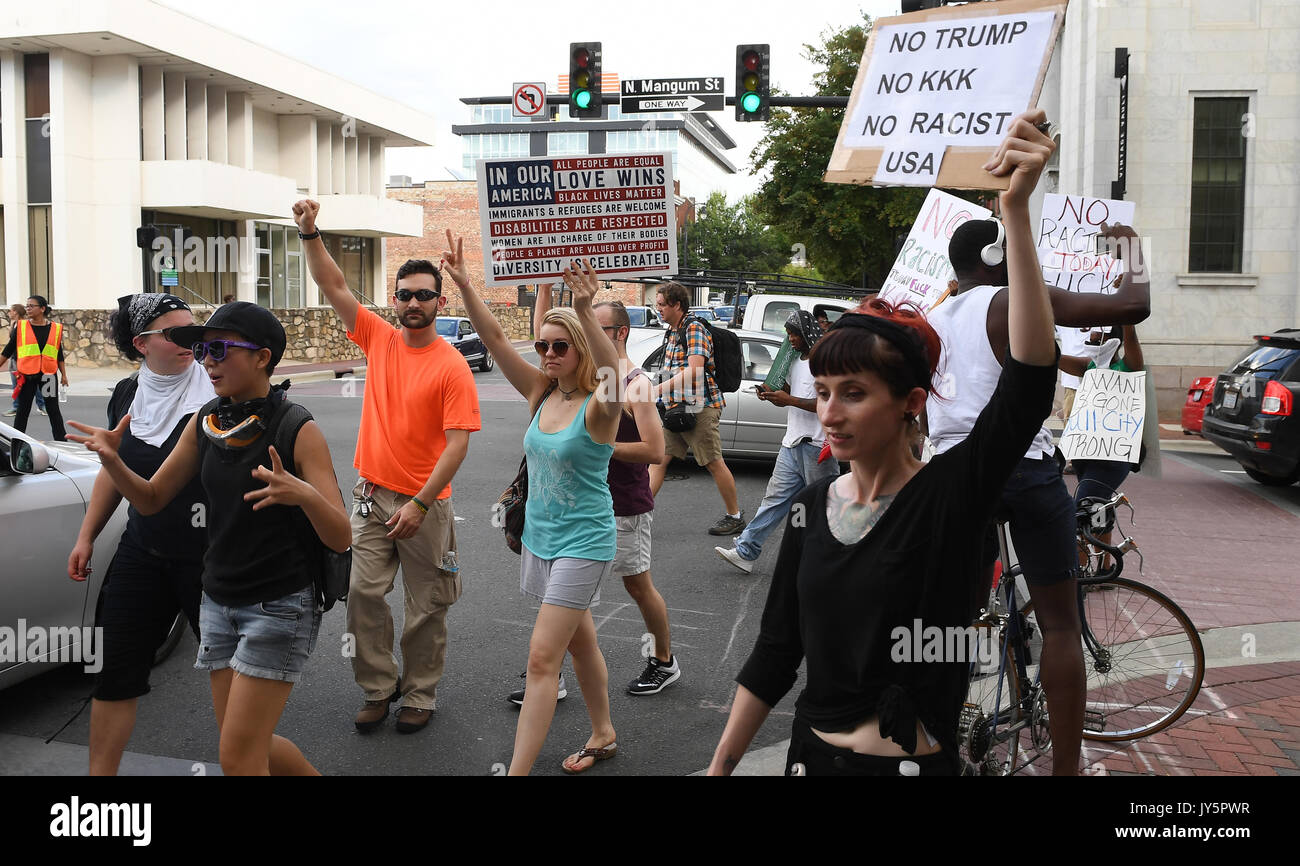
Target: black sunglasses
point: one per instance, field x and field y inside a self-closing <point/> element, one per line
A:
<point x="419" y="294"/>
<point x="560" y="347"/>
<point x="218" y="348"/>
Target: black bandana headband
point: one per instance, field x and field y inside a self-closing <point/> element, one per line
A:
<point x="906" y="340"/>
<point x="144" y="308"/>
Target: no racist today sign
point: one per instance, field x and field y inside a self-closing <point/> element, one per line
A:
<point x="937" y="90"/>
<point x="537" y="215"/>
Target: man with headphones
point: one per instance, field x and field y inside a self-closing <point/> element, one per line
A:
<point x="972" y="322"/>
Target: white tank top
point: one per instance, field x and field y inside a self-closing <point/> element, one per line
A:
<point x="968" y="371"/>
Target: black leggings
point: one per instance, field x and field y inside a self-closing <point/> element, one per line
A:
<point x="32" y="384"/>
<point x="819" y="758"/>
<point x="141" y="596"/>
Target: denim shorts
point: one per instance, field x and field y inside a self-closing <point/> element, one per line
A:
<point x="1041" y="512"/>
<point x="270" y="640"/>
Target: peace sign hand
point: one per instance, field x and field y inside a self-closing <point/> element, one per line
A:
<point x="282" y="487"/>
<point x="103" y="442"/>
<point x="453" y="259"/>
<point x="582" y="281"/>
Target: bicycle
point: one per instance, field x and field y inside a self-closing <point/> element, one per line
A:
<point x="1142" y="654"/>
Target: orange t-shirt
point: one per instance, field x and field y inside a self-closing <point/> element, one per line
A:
<point x="412" y="397"/>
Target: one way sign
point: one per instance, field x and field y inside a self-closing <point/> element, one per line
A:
<point x="646" y="95"/>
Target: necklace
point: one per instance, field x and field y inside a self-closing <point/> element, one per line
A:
<point x="568" y="395"/>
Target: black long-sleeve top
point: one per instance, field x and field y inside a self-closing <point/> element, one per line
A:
<point x="838" y="605"/>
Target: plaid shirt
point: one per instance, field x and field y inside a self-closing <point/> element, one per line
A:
<point x="698" y="342"/>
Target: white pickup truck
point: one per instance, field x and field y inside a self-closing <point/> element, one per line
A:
<point x="768" y="311"/>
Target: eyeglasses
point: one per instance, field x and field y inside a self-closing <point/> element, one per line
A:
<point x="560" y="347"/>
<point x="218" y="348"/>
<point x="405" y="295"/>
<point x="154" y="331"/>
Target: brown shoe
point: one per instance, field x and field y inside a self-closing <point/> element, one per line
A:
<point x="412" y="719"/>
<point x="373" y="713"/>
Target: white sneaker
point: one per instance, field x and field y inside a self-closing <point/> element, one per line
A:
<point x="730" y="554"/>
<point x="11" y="413"/>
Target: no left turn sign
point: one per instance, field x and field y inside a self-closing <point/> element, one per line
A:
<point x="529" y="98"/>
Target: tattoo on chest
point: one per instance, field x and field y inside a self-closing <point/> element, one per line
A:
<point x="850" y="522"/>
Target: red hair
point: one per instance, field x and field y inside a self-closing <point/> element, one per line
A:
<point x="851" y="350"/>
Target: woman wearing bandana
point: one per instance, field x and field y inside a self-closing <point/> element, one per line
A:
<point x="157" y="568"/>
<point x="267" y="515"/>
<point x="797" y="463"/>
<point x="895" y="545"/>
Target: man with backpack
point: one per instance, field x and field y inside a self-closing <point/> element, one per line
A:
<point x="693" y="402"/>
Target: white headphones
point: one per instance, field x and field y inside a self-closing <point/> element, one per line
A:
<point x="993" y="254"/>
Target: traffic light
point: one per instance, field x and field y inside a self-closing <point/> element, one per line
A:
<point x="584" y="79"/>
<point x="753" y="82"/>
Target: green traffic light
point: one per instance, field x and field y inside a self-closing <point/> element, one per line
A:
<point x="751" y="102"/>
<point x="582" y="98"/>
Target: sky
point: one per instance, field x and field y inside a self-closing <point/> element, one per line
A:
<point x="428" y="55"/>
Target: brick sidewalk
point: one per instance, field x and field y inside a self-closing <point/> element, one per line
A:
<point x="1244" y="722"/>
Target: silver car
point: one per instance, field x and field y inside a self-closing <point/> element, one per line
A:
<point x="749" y="427"/>
<point x="44" y="488"/>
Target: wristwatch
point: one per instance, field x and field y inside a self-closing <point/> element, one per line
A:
<point x="303" y="237"/>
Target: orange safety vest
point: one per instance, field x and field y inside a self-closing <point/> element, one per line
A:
<point x="32" y="359"/>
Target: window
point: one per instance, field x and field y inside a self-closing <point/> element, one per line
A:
<point x="775" y="314"/>
<point x="279" y="267"/>
<point x="493" y="146"/>
<point x="353" y="255"/>
<point x="41" y="251"/>
<point x="758" y="358"/>
<point x="1218" y="185"/>
<point x="566" y="143"/>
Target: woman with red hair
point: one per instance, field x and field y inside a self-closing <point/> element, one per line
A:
<point x="873" y="561"/>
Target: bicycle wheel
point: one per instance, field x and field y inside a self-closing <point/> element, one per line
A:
<point x="994" y="715"/>
<point x="1146" y="666"/>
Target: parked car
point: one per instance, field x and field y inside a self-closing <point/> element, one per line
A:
<point x="1253" y="415"/>
<point x="1199" y="395"/>
<point x="703" y="313"/>
<point x="459" y="331"/>
<point x="44" y="488"/>
<point x="725" y="314"/>
<point x="644" y="317"/>
<point x="768" y="312"/>
<point x="749" y="427"/>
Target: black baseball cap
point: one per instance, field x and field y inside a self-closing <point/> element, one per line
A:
<point x="249" y="320"/>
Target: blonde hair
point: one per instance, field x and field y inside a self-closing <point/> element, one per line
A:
<point x="567" y="319"/>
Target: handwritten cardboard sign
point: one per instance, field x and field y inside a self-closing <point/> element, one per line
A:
<point x="937" y="89"/>
<point x="921" y="272"/>
<point x="1108" y="418"/>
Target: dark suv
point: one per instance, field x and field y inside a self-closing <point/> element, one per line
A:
<point x="1254" y="412"/>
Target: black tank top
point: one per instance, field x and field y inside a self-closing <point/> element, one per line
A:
<point x="253" y="556"/>
<point x="629" y="483"/>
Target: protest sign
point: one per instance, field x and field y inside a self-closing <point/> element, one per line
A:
<point x="937" y="89"/>
<point x="921" y="272"/>
<point x="778" y="375"/>
<point x="1108" y="418"/>
<point x="539" y="214"/>
<point x="1068" y="227"/>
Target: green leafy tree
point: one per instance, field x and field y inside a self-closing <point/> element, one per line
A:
<point x="850" y="233"/>
<point x="731" y="238"/>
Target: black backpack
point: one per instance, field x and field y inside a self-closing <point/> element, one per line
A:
<point x="727" y="358"/>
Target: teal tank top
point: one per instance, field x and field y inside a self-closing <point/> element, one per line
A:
<point x="569" y="511"/>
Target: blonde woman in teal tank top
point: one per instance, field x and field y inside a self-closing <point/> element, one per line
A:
<point x="569" y="529"/>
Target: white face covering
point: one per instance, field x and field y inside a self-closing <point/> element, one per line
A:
<point x="162" y="401"/>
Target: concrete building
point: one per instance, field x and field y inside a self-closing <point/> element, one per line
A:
<point x="1213" y="163"/>
<point x="124" y="113"/>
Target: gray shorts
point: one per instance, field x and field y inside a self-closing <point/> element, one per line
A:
<point x="633" y="553"/>
<point x="565" y="581"/>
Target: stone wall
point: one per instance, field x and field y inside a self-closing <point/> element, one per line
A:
<point x="312" y="335"/>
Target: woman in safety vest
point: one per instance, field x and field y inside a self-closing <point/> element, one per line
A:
<point x="37" y="344"/>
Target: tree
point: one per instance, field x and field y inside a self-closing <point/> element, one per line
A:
<point x="851" y="233"/>
<point x="731" y="238"/>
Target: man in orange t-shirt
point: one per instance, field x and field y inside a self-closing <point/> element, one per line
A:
<point x="419" y="408"/>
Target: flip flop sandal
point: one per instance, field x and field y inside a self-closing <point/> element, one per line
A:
<point x="603" y="754"/>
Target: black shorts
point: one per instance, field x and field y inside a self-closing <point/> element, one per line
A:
<point x="141" y="596"/>
<point x="1041" y="514"/>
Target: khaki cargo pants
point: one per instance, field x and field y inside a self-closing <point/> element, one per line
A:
<point x="429" y="591"/>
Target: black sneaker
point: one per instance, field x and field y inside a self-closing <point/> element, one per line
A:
<point x="729" y="525"/>
<point x="517" y="697"/>
<point x="656" y="677"/>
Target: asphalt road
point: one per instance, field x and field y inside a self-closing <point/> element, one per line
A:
<point x="714" y="611"/>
